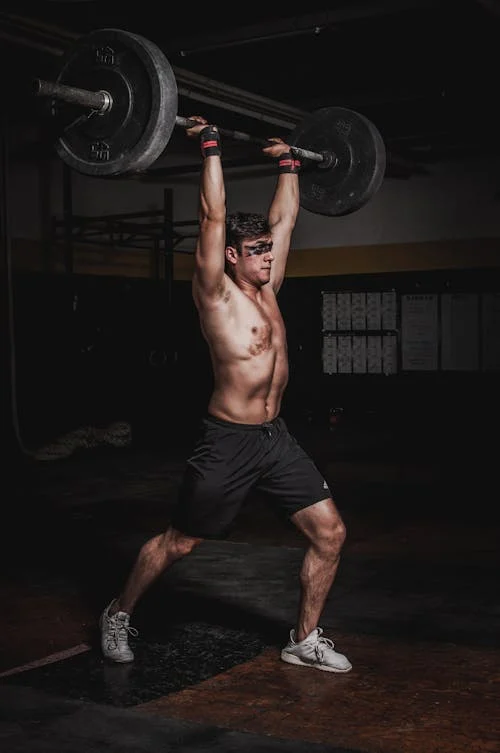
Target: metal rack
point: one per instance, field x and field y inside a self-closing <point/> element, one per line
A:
<point x="153" y="230"/>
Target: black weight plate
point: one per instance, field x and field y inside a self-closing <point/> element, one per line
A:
<point x="361" y="158"/>
<point x="135" y="131"/>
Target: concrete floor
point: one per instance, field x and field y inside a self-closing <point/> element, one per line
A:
<point x="414" y="606"/>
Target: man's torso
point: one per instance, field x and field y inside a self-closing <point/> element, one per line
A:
<point x="247" y="343"/>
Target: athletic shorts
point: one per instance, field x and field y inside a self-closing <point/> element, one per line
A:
<point x="228" y="461"/>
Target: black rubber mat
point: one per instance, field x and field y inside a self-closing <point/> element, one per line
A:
<point x="188" y="654"/>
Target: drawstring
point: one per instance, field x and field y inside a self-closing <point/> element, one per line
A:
<point x="268" y="428"/>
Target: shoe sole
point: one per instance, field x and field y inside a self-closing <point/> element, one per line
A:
<point x="291" y="659"/>
<point x="118" y="661"/>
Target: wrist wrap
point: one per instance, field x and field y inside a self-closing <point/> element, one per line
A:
<point x="210" y="142"/>
<point x="287" y="163"/>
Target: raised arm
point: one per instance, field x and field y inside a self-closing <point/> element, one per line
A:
<point x="283" y="209"/>
<point x="208" y="281"/>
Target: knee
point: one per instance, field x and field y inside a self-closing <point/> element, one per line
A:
<point x="178" y="544"/>
<point x="332" y="537"/>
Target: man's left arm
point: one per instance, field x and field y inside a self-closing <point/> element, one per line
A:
<point x="284" y="208"/>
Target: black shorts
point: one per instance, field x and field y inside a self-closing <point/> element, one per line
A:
<point x="228" y="461"/>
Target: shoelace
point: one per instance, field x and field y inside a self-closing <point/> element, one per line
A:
<point x="118" y="633"/>
<point x="322" y="644"/>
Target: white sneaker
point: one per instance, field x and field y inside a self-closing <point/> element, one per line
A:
<point x="115" y="629"/>
<point x="315" y="651"/>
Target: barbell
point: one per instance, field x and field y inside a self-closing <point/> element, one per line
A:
<point x="113" y="108"/>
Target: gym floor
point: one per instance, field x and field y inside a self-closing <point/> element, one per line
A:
<point x="414" y="606"/>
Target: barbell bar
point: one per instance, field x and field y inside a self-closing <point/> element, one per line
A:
<point x="101" y="102"/>
<point x="113" y="109"/>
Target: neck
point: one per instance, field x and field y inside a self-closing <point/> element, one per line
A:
<point x="250" y="289"/>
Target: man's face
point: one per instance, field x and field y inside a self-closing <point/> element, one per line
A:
<point x="253" y="263"/>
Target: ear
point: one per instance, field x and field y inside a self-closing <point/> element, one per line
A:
<point x="231" y="254"/>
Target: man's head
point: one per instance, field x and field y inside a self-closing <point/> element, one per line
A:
<point x="248" y="247"/>
<point x="242" y="226"/>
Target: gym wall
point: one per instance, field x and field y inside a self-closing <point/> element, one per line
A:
<point x="102" y="344"/>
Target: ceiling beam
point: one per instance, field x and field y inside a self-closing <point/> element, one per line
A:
<point x="312" y="23"/>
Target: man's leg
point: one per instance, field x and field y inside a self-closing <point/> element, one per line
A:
<point x="323" y="527"/>
<point x="155" y="556"/>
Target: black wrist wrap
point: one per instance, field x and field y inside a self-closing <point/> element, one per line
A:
<point x="288" y="163"/>
<point x="210" y="142"/>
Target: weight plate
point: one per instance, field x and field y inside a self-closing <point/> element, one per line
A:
<point x="134" y="132"/>
<point x="360" y="167"/>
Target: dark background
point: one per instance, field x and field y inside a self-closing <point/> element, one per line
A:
<point x="116" y="358"/>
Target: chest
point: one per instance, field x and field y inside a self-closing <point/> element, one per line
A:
<point x="260" y="326"/>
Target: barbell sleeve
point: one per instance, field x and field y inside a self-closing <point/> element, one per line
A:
<point x="100" y="101"/>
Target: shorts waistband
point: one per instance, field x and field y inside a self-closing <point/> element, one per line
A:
<point x="244" y="427"/>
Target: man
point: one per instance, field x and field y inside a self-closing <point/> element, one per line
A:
<point x="244" y="444"/>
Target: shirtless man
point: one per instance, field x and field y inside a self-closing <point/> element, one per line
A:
<point x="243" y="443"/>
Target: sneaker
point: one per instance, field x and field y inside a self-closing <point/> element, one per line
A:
<point x="115" y="629"/>
<point x="315" y="651"/>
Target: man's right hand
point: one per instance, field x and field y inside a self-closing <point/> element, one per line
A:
<point x="276" y="147"/>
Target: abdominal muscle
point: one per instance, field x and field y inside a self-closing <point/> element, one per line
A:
<point x="250" y="364"/>
<point x="248" y="393"/>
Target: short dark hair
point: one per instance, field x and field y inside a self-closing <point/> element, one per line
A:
<point x="241" y="226"/>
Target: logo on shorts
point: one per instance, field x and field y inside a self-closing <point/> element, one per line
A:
<point x="325" y="485"/>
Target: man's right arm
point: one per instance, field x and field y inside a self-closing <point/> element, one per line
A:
<point x="211" y="243"/>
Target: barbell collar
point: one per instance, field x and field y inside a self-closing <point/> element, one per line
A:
<point x="100" y="101"/>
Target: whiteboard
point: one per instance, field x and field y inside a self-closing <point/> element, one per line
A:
<point x="460" y="332"/>
<point x="419" y="332"/>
